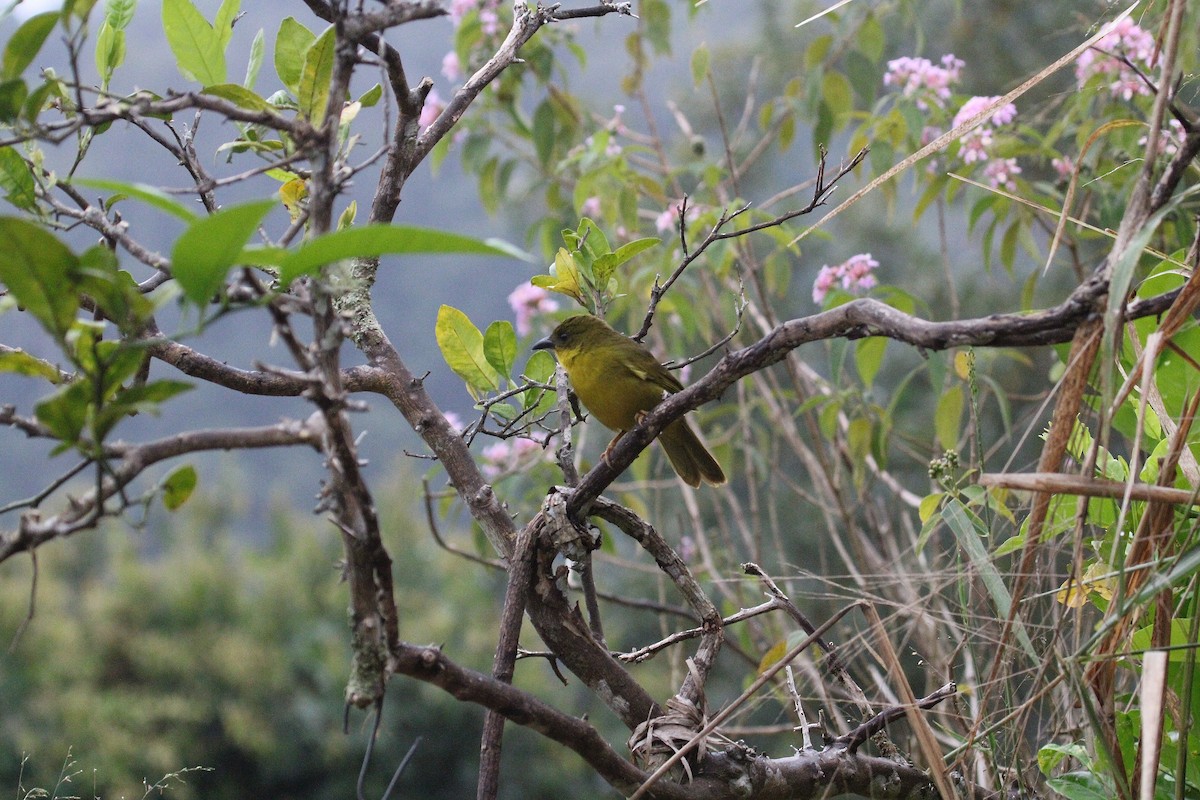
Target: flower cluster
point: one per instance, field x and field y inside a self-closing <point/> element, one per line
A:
<point x="1104" y="58"/>
<point x="487" y="13"/>
<point x="511" y="455"/>
<point x="920" y="78"/>
<point x="527" y="301"/>
<point x="977" y="144"/>
<point x="855" y="274"/>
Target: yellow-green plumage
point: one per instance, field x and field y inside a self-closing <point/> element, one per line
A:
<point x="618" y="380"/>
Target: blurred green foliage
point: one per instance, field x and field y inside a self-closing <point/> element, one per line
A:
<point x="182" y="646"/>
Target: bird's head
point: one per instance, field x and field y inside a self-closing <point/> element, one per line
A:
<point x="576" y="333"/>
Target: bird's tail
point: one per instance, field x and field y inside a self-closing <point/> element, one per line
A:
<point x="688" y="455"/>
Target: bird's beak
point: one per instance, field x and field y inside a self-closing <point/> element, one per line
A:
<point x="543" y="344"/>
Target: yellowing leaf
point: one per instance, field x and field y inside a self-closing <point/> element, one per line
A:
<point x="565" y="279"/>
<point x="461" y="344"/>
<point x="293" y="194"/>
<point x="1074" y="593"/>
<point x="777" y="651"/>
<point x="963" y="362"/>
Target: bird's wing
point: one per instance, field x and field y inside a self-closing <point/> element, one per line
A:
<point x="647" y="368"/>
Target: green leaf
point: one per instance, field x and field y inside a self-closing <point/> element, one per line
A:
<point x="376" y="240"/>
<point x="947" y="416"/>
<point x="1010" y="545"/>
<point x="204" y="253"/>
<point x="110" y="51"/>
<point x="145" y="398"/>
<point x="544" y="132"/>
<point x="119" y="13"/>
<point x="16" y="180"/>
<point x="113" y="290"/>
<point x="25" y="43"/>
<point x="254" y="62"/>
<point x="21" y="363"/>
<point x="39" y="271"/>
<point x="837" y="92"/>
<point x="312" y="92"/>
<point x="607" y="264"/>
<point x="223" y="24"/>
<point x="199" y="50"/>
<point x="178" y="486"/>
<point x="240" y="95"/>
<point x="969" y="531"/>
<point x="700" y="61"/>
<point x="565" y="280"/>
<point x="871" y="38"/>
<point x="461" y="344"/>
<point x="371" y="96"/>
<point x="65" y="412"/>
<point x="291" y="43"/>
<point x="13" y="96"/>
<point x="929" y="504"/>
<point x="868" y="358"/>
<point x="1081" y="786"/>
<point x="1051" y="755"/>
<point x="500" y="346"/>
<point x="140" y="191"/>
<point x="539" y="368"/>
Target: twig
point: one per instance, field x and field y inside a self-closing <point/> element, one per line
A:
<point x="751" y="690"/>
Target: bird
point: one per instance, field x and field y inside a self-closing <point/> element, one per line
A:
<point x="619" y="381"/>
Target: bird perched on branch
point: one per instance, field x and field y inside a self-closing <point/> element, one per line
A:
<point x="619" y="381"/>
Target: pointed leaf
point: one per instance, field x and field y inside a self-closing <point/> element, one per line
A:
<point x="868" y="358"/>
<point x="39" y="271"/>
<point x="461" y="344"/>
<point x="500" y="346"/>
<point x="254" y="63"/>
<point x="223" y="24"/>
<point x="291" y="43"/>
<point x="178" y="486"/>
<point x="16" y="180"/>
<point x="65" y="412"/>
<point x="140" y="191"/>
<point x="312" y="93"/>
<point x="198" y="48"/>
<point x="236" y="93"/>
<point x="25" y="43"/>
<point x="21" y="363"/>
<point x="946" y="417"/>
<point x="204" y="253"/>
<point x="376" y="240"/>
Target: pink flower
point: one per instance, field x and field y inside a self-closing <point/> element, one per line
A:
<point x="1126" y="39"/>
<point x="855" y="274"/>
<point x="489" y="21"/>
<point x="1000" y="172"/>
<point x="1002" y="116"/>
<point x="459" y="9"/>
<point x="450" y="66"/>
<point x="977" y="143"/>
<point x="920" y="78"/>
<point x="590" y="207"/>
<point x="666" y="220"/>
<point x="1168" y="138"/>
<point x="527" y="301"/>
<point x="434" y="105"/>
<point x="510" y="455"/>
<point x="1064" y="167"/>
<point x="669" y="219"/>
